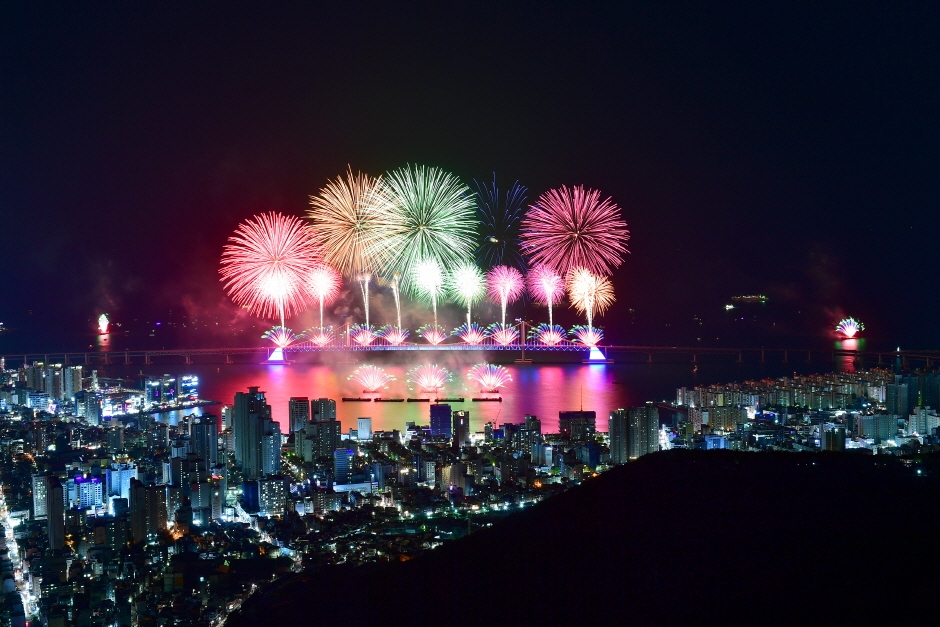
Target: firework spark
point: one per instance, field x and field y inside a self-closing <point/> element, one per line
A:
<point x="589" y="294"/>
<point x="321" y="336"/>
<point x="504" y="285"/>
<point x="587" y="335"/>
<point x="549" y="335"/>
<point x="433" y="334"/>
<point x="103" y="323"/>
<point x="393" y="335"/>
<point x="429" y="282"/>
<point x="466" y="285"/>
<point x="362" y="334"/>
<point x="344" y="218"/>
<point x="282" y="337"/>
<point x="500" y="217"/>
<point x="422" y="213"/>
<point x="364" y="278"/>
<point x="503" y="334"/>
<point x="472" y="334"/>
<point x="324" y="284"/>
<point x="849" y="327"/>
<point x="392" y="283"/>
<point x="490" y="376"/>
<point x="371" y="377"/>
<point x="428" y="377"/>
<point x="266" y="264"/>
<point x="546" y="287"/>
<point x="571" y="228"/>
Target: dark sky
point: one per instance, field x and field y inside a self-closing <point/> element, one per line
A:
<point x="791" y="150"/>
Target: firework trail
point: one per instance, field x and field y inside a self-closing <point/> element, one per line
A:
<point x="433" y="334"/>
<point x="393" y="335"/>
<point x="364" y="278"/>
<point x="466" y="285"/>
<point x="429" y="281"/>
<point x="546" y="287"/>
<point x="265" y="266"/>
<point x="392" y="283"/>
<point x="589" y="294"/>
<point x="848" y="327"/>
<point x="491" y="377"/>
<point x="362" y="334"/>
<point x="500" y="219"/>
<point x="572" y="228"/>
<point x="503" y="334"/>
<point x="324" y="284"/>
<point x="550" y="335"/>
<point x="282" y="336"/>
<point x="422" y="214"/>
<point x="504" y="285"/>
<point x="472" y="334"/>
<point x="587" y="335"/>
<point x="321" y="336"/>
<point x="428" y="377"/>
<point x="371" y="377"/>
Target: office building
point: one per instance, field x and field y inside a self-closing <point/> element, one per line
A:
<point x="298" y="412"/>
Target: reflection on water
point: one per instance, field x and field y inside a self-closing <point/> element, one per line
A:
<point x="543" y="390"/>
<point x="847" y="363"/>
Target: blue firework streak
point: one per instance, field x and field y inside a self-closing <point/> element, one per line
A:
<point x="500" y="218"/>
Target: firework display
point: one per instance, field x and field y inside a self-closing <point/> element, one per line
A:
<point x="849" y="327"/>
<point x="282" y="337"/>
<point x="103" y="323"/>
<point x="573" y="228"/>
<point x="504" y="285"/>
<point x="545" y="287"/>
<point x="364" y="278"/>
<point x="428" y="279"/>
<point x="371" y="377"/>
<point x="587" y="335"/>
<point x="490" y="376"/>
<point x="466" y="285"/>
<point x="549" y="335"/>
<point x="471" y="334"/>
<point x="422" y="214"/>
<point x="589" y="294"/>
<point x="500" y="218"/>
<point x="321" y="336"/>
<point x="362" y="334"/>
<point x="393" y="335"/>
<point x="324" y="284"/>
<point x="433" y="334"/>
<point x="428" y="377"/>
<point x="266" y="264"/>
<point x="503" y="334"/>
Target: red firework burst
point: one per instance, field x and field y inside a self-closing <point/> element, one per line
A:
<point x="570" y="228"/>
<point x="266" y="264"/>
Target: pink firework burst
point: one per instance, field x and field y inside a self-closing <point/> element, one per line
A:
<point x="472" y="334"/>
<point x="503" y="334"/>
<point x="433" y="333"/>
<point x="324" y="284"/>
<point x="265" y="266"/>
<point x="371" y="377"/>
<point x="849" y="327"/>
<point x="362" y="334"/>
<point x="504" y="285"/>
<point x="321" y="336"/>
<point x="549" y="335"/>
<point x="546" y="287"/>
<point x="571" y="228"/>
<point x="393" y="335"/>
<point x="589" y="336"/>
<point x="428" y="377"/>
<point x="490" y="376"/>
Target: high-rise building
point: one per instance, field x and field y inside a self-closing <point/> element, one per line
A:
<point x="273" y="493"/>
<point x="40" y="496"/>
<point x="897" y="400"/>
<point x="577" y="425"/>
<point x="833" y="438"/>
<point x="298" y="410"/>
<point x="71" y="382"/>
<point x="364" y="428"/>
<point x="879" y="427"/>
<point x="343" y="465"/>
<point x="204" y="436"/>
<point x="55" y="510"/>
<point x="642" y="431"/>
<point x="271" y="448"/>
<point x="617" y="430"/>
<point x="461" y="429"/>
<point x="322" y="437"/>
<point x="148" y="510"/>
<point x="441" y="420"/>
<point x="250" y="416"/>
<point x="118" y="479"/>
<point x="323" y="409"/>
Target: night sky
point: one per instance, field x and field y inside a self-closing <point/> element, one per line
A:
<point x="790" y="151"/>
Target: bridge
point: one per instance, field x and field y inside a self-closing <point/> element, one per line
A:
<point x="651" y="353"/>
